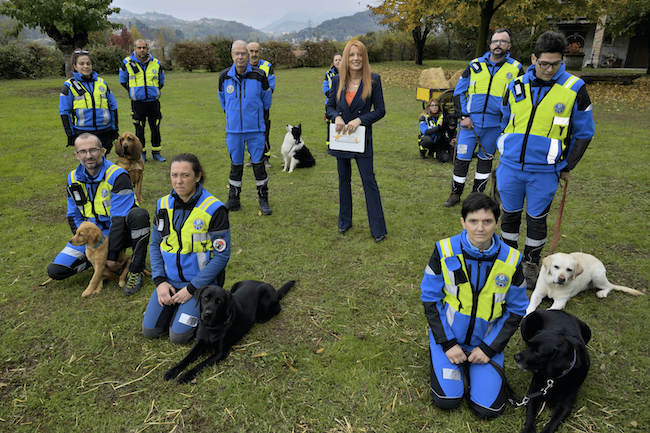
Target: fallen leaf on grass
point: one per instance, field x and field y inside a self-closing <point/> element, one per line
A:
<point x="319" y="351"/>
<point x="258" y="355"/>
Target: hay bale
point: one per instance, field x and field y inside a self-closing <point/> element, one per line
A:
<point x="434" y="78"/>
<point x="455" y="77"/>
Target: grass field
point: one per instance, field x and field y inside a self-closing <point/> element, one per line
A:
<point x="349" y="351"/>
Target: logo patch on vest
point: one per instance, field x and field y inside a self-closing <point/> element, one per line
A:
<point x="104" y="193"/>
<point x="154" y="71"/>
<point x="559" y="108"/>
<point x="219" y="245"/>
<point x="198" y="224"/>
<point x="102" y="88"/>
<point x="230" y="88"/>
<point x="509" y="75"/>
<point x="501" y="280"/>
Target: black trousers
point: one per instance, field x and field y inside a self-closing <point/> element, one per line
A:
<point x="143" y="113"/>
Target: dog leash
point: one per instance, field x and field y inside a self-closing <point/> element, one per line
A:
<point x="558" y="221"/>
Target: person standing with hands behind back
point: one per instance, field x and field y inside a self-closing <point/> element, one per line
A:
<point x="356" y="99"/>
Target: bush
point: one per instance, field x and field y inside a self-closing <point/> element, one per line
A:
<point x="30" y="60"/>
<point x="279" y="53"/>
<point x="107" y="59"/>
<point x="318" y="54"/>
<point x="222" y="58"/>
<point x="194" y="55"/>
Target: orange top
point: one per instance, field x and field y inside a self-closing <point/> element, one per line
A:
<point x="349" y="96"/>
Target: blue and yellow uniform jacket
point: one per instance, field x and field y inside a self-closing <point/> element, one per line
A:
<point x="87" y="105"/>
<point x="104" y="200"/>
<point x="479" y="91"/>
<point x="143" y="80"/>
<point x="471" y="297"/>
<point x="327" y="82"/>
<point x="244" y="99"/>
<point x="266" y="67"/>
<point x="190" y="242"/>
<point x="547" y="125"/>
<point x="431" y="123"/>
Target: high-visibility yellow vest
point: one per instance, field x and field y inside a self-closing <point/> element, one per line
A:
<point x="140" y="80"/>
<point x="482" y="82"/>
<point x="101" y="203"/>
<point x="551" y="116"/>
<point x="460" y="295"/>
<point x="86" y="105"/>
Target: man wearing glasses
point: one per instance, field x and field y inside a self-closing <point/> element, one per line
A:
<point x="477" y="99"/>
<point x="101" y="192"/>
<point x="547" y="125"/>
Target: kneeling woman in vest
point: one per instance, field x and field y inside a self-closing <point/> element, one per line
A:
<point x="190" y="247"/>
<point x="432" y="125"/>
<point x="474" y="298"/>
<point x="86" y="104"/>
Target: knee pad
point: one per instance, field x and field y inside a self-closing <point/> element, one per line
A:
<point x="486" y="412"/>
<point x="153" y="332"/>
<point x="510" y="224"/>
<point x="137" y="218"/>
<point x="236" y="172"/>
<point x="59" y="272"/>
<point x="183" y="337"/>
<point x="537" y="227"/>
<point x="260" y="173"/>
<point x="484" y="165"/>
<point x="426" y="142"/>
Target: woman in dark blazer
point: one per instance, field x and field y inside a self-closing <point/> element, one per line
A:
<point x="356" y="99"/>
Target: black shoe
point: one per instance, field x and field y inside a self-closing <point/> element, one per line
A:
<point x="133" y="283"/>
<point x="453" y="200"/>
<point x="233" y="203"/>
<point x="380" y="238"/>
<point x="263" y="198"/>
<point x="531" y="271"/>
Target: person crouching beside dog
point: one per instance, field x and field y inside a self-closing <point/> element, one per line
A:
<point x="433" y="123"/>
<point x="190" y="247"/>
<point x="101" y="192"/>
<point x="474" y="298"/>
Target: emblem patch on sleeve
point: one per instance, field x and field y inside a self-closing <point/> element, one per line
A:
<point x="219" y="245"/>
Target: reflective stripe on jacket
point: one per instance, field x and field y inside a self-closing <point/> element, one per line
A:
<point x="90" y="110"/>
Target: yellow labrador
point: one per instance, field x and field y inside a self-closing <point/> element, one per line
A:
<point x="565" y="275"/>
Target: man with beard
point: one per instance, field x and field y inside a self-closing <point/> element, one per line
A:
<point x="477" y="98"/>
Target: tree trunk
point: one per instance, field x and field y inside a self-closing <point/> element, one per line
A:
<point x="487" y="11"/>
<point x="67" y="58"/>
<point x="420" y="38"/>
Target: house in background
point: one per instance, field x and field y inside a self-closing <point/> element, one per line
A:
<point x="603" y="50"/>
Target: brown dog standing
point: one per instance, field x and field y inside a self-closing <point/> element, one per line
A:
<point x="129" y="148"/>
<point x="96" y="243"/>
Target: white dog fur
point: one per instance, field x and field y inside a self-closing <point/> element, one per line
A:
<point x="289" y="148"/>
<point x="565" y="275"/>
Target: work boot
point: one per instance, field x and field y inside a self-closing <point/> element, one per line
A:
<point x="263" y="197"/>
<point x="133" y="283"/>
<point x="144" y="156"/>
<point x="157" y="156"/>
<point x="233" y="203"/>
<point x="453" y="200"/>
<point x="531" y="271"/>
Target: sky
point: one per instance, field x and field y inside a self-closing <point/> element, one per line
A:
<point x="255" y="13"/>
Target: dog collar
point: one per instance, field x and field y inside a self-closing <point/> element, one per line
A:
<point x="573" y="364"/>
<point x="100" y="242"/>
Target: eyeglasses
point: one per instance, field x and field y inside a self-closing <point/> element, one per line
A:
<point x="499" y="41"/>
<point x="91" y="151"/>
<point x="546" y="65"/>
<point x="81" y="52"/>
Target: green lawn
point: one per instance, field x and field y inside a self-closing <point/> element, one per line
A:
<point x="349" y="351"/>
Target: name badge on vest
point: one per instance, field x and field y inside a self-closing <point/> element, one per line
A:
<point x="519" y="91"/>
<point x="476" y="67"/>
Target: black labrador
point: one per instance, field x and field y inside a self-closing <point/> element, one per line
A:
<point x="225" y="318"/>
<point x="557" y="356"/>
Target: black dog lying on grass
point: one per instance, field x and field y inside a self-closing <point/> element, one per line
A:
<point x="558" y="358"/>
<point x="225" y="318"/>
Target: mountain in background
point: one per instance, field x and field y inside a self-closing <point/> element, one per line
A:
<point x="338" y="29"/>
<point x="295" y="21"/>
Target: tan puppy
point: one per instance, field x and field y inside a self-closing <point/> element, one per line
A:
<point x="129" y="148"/>
<point x="96" y="243"/>
<point x="565" y="275"/>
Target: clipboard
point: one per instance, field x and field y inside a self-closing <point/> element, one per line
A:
<point x="355" y="142"/>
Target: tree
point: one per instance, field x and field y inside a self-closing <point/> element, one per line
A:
<point x="68" y="22"/>
<point x="630" y="18"/>
<point x="413" y="16"/>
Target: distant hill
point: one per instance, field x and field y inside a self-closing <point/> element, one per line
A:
<point x="147" y="23"/>
<point x="339" y="29"/>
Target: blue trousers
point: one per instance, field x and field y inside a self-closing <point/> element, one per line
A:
<point x="467" y="142"/>
<point x="180" y="320"/>
<point x="515" y="185"/>
<point x="253" y="141"/>
<point x="486" y="394"/>
<point x="370" y="189"/>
